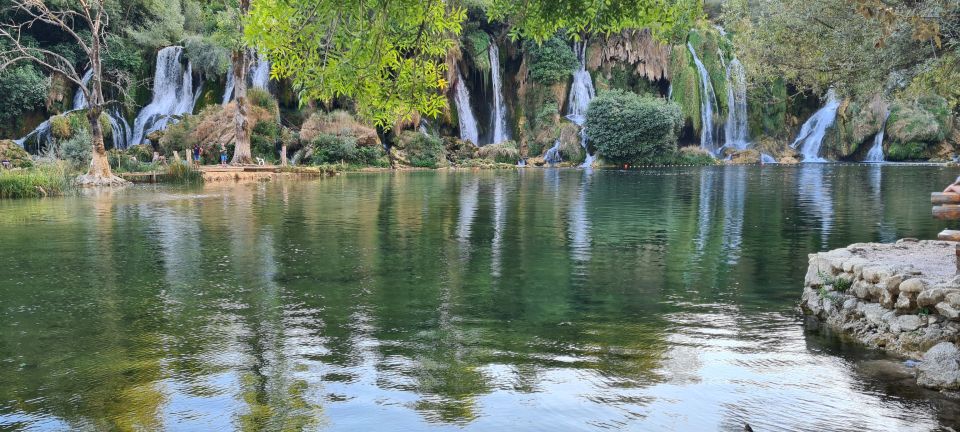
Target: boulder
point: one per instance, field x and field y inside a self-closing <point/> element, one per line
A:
<point x="862" y="289"/>
<point x="947" y="311"/>
<point x="953" y="299"/>
<point x="909" y="323"/>
<point x="912" y="286"/>
<point x="788" y="160"/>
<point x="940" y="367"/>
<point x="933" y="296"/>
<point x="906" y="303"/>
<point x="18" y="157"/>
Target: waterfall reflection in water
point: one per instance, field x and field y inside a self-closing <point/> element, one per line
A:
<point x="369" y="300"/>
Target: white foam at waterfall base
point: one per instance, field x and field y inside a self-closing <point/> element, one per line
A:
<point x="581" y="93"/>
<point x="172" y="94"/>
<point x="468" y="123"/>
<point x="552" y="156"/>
<point x="811" y="135"/>
<point x="500" y="131"/>
<point x="876" y="152"/>
<point x="708" y="100"/>
<point x="736" y="133"/>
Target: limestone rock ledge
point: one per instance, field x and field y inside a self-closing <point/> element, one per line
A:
<point x="902" y="297"/>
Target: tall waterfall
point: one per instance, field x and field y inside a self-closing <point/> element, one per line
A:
<point x="79" y="100"/>
<point x="581" y="93"/>
<point x="735" y="131"/>
<point x="876" y="152"/>
<point x="708" y="100"/>
<point x="811" y="134"/>
<point x="258" y="76"/>
<point x="172" y="94"/>
<point x="468" y="123"/>
<point x="500" y="131"/>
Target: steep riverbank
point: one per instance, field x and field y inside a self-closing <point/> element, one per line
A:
<point x="903" y="298"/>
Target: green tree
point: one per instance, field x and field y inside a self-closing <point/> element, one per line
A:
<point x="626" y="127"/>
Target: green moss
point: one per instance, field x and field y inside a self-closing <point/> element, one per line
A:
<point x="907" y="151"/>
<point x="476" y="44"/>
<point x="767" y="110"/>
<point x="551" y="62"/>
<point x="915" y="127"/>
<point x="686" y="88"/>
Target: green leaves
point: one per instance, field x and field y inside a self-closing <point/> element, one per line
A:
<point x="387" y="57"/>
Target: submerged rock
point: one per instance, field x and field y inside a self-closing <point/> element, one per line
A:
<point x="940" y="367"/>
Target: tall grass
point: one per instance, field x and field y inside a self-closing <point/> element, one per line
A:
<point x="38" y="182"/>
<point x="182" y="173"/>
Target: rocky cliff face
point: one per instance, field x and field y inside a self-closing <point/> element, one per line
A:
<point x="903" y="298"/>
<point x="647" y="57"/>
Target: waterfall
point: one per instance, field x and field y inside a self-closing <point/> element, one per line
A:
<point x="468" y="123"/>
<point x="120" y="129"/>
<point x="260" y="73"/>
<point x="172" y="94"/>
<point x="42" y="134"/>
<point x="500" y="132"/>
<point x="552" y="156"/>
<point x="228" y="88"/>
<point x="876" y="152"/>
<point x="811" y="134"/>
<point x="735" y="132"/>
<point x="79" y="100"/>
<point x="581" y="93"/>
<point x="767" y="159"/>
<point x="708" y="99"/>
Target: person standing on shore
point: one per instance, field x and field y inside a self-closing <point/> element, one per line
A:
<point x="223" y="155"/>
<point x="197" y="151"/>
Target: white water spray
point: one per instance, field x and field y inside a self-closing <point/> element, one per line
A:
<point x="581" y="93"/>
<point x="876" y="152"/>
<point x="708" y="100"/>
<point x="500" y="131"/>
<point x="468" y="123"/>
<point x="811" y="134"/>
<point x="736" y="133"/>
<point x="172" y="94"/>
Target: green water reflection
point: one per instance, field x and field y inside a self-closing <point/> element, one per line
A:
<point x="520" y="300"/>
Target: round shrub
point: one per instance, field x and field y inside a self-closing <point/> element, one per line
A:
<point x="422" y="151"/>
<point x="60" y="127"/>
<point x="505" y="152"/>
<point x="552" y="61"/>
<point x="627" y="128"/>
<point x="334" y="149"/>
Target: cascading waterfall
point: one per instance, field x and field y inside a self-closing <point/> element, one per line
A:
<point x="581" y="93"/>
<point x="552" y="156"/>
<point x="172" y="94"/>
<point x="260" y="73"/>
<point x="468" y="123"/>
<point x="228" y="89"/>
<point x="708" y="100"/>
<point x="811" y="134"/>
<point x="876" y="152"/>
<point x="736" y="133"/>
<point x="79" y="100"/>
<point x="767" y="159"/>
<point x="500" y="131"/>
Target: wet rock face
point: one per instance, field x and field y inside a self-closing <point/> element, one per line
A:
<point x="903" y="298"/>
<point x="940" y="368"/>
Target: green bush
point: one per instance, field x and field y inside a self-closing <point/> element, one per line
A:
<point x="916" y="126"/>
<point x="505" y="152"/>
<point x="422" y="151"/>
<point x="18" y="157"/>
<point x="262" y="98"/>
<point x="77" y="149"/>
<point x="552" y="61"/>
<point x="332" y="149"/>
<point x="24" y="90"/>
<point x="42" y="181"/>
<point x="627" y="128"/>
<point x="183" y="173"/>
<point x="60" y="127"/>
<point x="263" y="140"/>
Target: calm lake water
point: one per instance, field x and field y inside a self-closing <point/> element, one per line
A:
<point x="557" y="300"/>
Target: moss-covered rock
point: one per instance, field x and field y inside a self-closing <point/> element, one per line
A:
<point x="505" y="152"/>
<point x="916" y="127"/>
<point x="18" y="157"/>
<point x="685" y="88"/>
<point x="858" y="121"/>
<point x="340" y="123"/>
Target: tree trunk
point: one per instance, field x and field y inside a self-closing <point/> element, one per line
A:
<point x="99" y="163"/>
<point x="241" y="151"/>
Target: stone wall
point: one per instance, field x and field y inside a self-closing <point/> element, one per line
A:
<point x="902" y="297"/>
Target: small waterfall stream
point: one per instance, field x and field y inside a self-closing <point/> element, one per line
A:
<point x="500" y="131"/>
<point x="552" y="156"/>
<point x="258" y="76"/>
<point x="876" y="152"/>
<point x="468" y="123"/>
<point x="581" y="93"/>
<point x="736" y="133"/>
<point x="811" y="135"/>
<point x="172" y="94"/>
<point x="79" y="100"/>
<point x="708" y="100"/>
